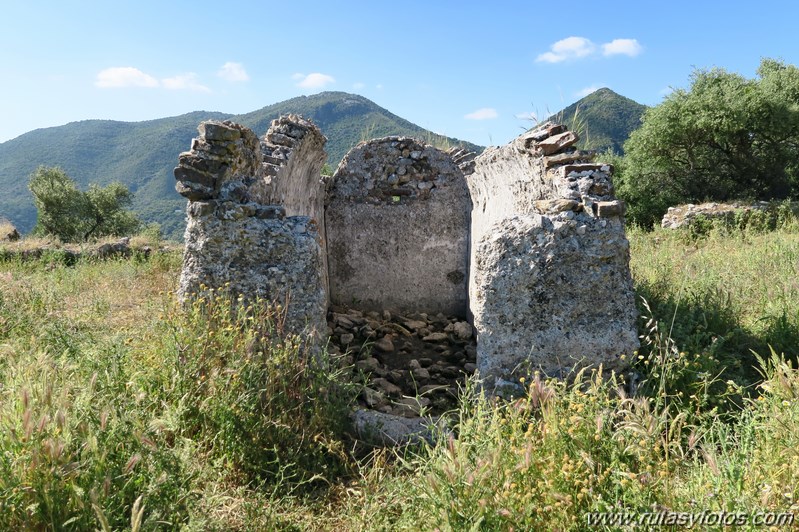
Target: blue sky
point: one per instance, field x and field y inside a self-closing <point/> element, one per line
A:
<point x="466" y="69"/>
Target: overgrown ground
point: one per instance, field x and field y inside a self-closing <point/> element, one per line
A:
<point x="119" y="410"/>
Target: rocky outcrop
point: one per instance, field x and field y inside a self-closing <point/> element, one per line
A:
<point x="550" y="287"/>
<point x="684" y="215"/>
<point x="397" y="229"/>
<point x="237" y="237"/>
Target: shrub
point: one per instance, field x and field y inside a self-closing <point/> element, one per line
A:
<point x="726" y="137"/>
<point x="75" y="216"/>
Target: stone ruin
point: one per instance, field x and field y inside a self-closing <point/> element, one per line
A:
<point x="409" y="246"/>
<point x="726" y="213"/>
<point x="550" y="284"/>
<point x="239" y="232"/>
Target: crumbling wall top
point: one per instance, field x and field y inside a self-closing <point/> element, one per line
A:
<point x="394" y="170"/>
<point x="224" y="160"/>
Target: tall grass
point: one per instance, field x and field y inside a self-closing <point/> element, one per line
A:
<point x="120" y="409"/>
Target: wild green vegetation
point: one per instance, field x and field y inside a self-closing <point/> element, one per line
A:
<point x="120" y="409"/>
<point x="73" y="215"/>
<point x="141" y="155"/>
<point x="725" y="138"/>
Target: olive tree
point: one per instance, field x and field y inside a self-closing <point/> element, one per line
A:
<point x="72" y="215"/>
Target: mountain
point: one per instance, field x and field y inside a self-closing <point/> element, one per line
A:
<point x="603" y="119"/>
<point x="142" y="155"/>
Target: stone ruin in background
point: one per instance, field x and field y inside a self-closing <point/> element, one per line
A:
<point x="406" y="242"/>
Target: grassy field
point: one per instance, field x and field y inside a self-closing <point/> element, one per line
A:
<point x="120" y="410"/>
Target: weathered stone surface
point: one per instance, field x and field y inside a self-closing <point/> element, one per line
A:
<point x="554" y="206"/>
<point x="296" y="163"/>
<point x="293" y="156"/>
<point x="223" y="161"/>
<point x="569" y="156"/>
<point x="389" y="430"/>
<point x="276" y="259"/>
<point x="550" y="282"/>
<point x="397" y="229"/>
<point x="606" y="209"/>
<point x="556" y="143"/>
<point x="462" y="330"/>
<point x="685" y="215"/>
<point x="120" y="248"/>
<point x="238" y="235"/>
<point x="385" y="345"/>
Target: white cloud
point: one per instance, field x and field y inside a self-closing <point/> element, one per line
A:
<point x="486" y="113"/>
<point x="379" y="86"/>
<point x="358" y="86"/>
<point x="568" y="48"/>
<point x="233" y="72"/>
<point x="120" y="77"/>
<point x="184" y="82"/>
<point x="313" y="81"/>
<point x="579" y="47"/>
<point x="586" y="91"/>
<point x="629" y="47"/>
<point x="531" y="115"/>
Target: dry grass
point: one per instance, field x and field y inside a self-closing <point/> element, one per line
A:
<point x="163" y="404"/>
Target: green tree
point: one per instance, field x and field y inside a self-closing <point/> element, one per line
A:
<point x="72" y="215"/>
<point x="726" y="138"/>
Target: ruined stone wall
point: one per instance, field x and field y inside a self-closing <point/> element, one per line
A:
<point x="550" y="284"/>
<point x="528" y="237"/>
<point x="293" y="152"/>
<point x="397" y="229"/>
<point x="236" y="239"/>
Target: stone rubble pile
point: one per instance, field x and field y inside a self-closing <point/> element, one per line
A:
<point x="70" y="254"/>
<point x="410" y="364"/>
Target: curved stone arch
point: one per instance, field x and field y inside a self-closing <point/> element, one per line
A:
<point x="398" y="219"/>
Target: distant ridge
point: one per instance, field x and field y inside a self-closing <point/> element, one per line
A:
<point x="142" y="154"/>
<point x="607" y="119"/>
